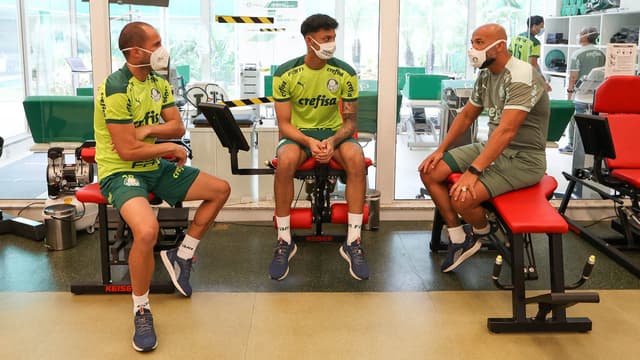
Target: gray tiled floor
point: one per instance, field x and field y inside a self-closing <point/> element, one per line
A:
<point x="235" y="257"/>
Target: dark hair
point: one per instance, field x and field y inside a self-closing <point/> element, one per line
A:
<point x="318" y="22"/>
<point x="534" y="20"/>
<point x="133" y="34"/>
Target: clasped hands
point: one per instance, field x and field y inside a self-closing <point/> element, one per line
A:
<point x="322" y="151"/>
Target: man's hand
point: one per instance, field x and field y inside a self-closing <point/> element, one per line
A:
<point x="327" y="151"/>
<point x="465" y="185"/>
<point x="180" y="155"/>
<point x="430" y="162"/>
<point x="318" y="150"/>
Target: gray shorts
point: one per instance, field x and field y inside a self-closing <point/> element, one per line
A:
<point x="513" y="169"/>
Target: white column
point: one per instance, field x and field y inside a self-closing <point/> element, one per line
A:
<point x="100" y="41"/>
<point x="387" y="104"/>
<point x="340" y="17"/>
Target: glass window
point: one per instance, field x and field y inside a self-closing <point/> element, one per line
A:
<point x="49" y="44"/>
<point x="432" y="47"/>
<point x="433" y="43"/>
<point x="217" y="52"/>
<point x="11" y="73"/>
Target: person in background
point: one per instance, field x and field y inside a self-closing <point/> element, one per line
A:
<point x="526" y="47"/>
<point x="583" y="60"/>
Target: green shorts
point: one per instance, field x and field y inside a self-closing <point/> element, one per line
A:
<point x="513" y="169"/>
<point x="318" y="134"/>
<point x="168" y="182"/>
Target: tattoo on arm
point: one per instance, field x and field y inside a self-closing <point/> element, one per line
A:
<point x="349" y="119"/>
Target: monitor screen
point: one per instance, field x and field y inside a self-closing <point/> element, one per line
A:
<point x="596" y="135"/>
<point x="224" y="125"/>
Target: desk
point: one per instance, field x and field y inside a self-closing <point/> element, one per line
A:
<point x="420" y="124"/>
<point x="211" y="157"/>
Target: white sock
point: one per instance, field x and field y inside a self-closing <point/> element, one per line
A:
<point x="188" y="247"/>
<point x="140" y="301"/>
<point x="483" y="231"/>
<point x="456" y="234"/>
<point x="284" y="228"/>
<point x="354" y="227"/>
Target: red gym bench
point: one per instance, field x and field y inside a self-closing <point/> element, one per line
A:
<point x="321" y="177"/>
<point x="519" y="214"/>
<point x="113" y="252"/>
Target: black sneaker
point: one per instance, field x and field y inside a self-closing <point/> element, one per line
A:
<point x="457" y="253"/>
<point x="144" y="336"/>
<point x="279" y="267"/>
<point x="354" y="255"/>
<point x="179" y="270"/>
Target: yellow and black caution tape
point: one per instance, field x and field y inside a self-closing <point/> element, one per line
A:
<point x="248" y="102"/>
<point x="244" y="19"/>
<point x="272" y="29"/>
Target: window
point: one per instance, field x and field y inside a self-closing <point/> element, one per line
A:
<point x="11" y="73"/>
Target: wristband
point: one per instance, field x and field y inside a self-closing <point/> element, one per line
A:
<point x="472" y="169"/>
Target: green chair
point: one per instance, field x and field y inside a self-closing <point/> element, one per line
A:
<point x="268" y="85"/>
<point x="423" y="86"/>
<point x="84" y="91"/>
<point x="561" y="113"/>
<point x="403" y="71"/>
<point x="184" y="71"/>
<point x="368" y="111"/>
<point x="59" y="118"/>
<point x="423" y="91"/>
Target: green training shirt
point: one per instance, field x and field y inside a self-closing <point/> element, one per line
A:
<point x="518" y="86"/>
<point x="123" y="99"/>
<point x="315" y="94"/>
<point x="524" y="46"/>
<point x="586" y="59"/>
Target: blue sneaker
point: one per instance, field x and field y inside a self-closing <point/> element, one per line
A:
<point x="354" y="255"/>
<point x="179" y="270"/>
<point x="279" y="267"/>
<point x="457" y="253"/>
<point x="144" y="336"/>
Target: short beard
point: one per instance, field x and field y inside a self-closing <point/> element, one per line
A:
<point x="487" y="63"/>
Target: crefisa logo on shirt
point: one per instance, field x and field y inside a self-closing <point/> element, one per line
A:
<point x="155" y="94"/>
<point x="332" y="85"/>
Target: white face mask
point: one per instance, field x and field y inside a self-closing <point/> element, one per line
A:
<point x="159" y="60"/>
<point x="579" y="37"/>
<point x="478" y="58"/>
<point x="541" y="32"/>
<point x="326" y="50"/>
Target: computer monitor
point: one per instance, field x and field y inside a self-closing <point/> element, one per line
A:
<point x="596" y="135"/>
<point x="225" y="126"/>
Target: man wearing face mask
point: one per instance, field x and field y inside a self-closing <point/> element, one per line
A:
<point x="308" y="91"/>
<point x="129" y="106"/>
<point x="526" y="46"/>
<point x="582" y="62"/>
<point x="513" y="94"/>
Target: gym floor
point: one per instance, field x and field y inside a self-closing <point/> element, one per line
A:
<point x="407" y="310"/>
